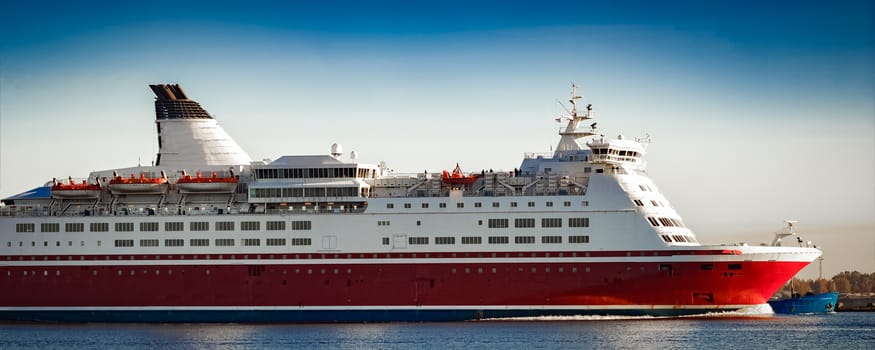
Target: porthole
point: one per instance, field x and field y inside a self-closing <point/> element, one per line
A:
<point x="207" y="272"/>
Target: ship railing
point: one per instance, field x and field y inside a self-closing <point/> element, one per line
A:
<point x="536" y="155"/>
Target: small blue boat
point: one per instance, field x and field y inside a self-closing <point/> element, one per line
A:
<point x="807" y="304"/>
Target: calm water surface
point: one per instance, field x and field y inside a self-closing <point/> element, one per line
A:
<point x="835" y="331"/>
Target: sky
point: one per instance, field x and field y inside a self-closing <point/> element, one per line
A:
<point x="758" y="111"/>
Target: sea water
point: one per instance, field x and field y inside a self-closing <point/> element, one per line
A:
<point x="733" y="331"/>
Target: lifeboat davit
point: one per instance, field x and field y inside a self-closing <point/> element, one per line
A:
<point x="72" y="190"/>
<point x="214" y="184"/>
<point x="458" y="177"/>
<point x="141" y="185"/>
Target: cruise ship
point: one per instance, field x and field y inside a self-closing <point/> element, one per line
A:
<point x="207" y="234"/>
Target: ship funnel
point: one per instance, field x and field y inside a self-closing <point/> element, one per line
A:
<point x="188" y="136"/>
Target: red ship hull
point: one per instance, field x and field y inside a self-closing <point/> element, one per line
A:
<point x="118" y="288"/>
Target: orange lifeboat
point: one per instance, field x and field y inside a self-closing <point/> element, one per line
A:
<point x="141" y="185"/>
<point x="458" y="177"/>
<point x="72" y="190"/>
<point x="214" y="184"/>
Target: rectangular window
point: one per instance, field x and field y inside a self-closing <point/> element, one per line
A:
<point x="199" y="242"/>
<point x="551" y="222"/>
<point x="445" y="240"/>
<point x="407" y="205"/>
<point x="524" y="222"/>
<point x="390" y="205"/>
<point x="26" y="227"/>
<point x="50" y="227"/>
<point x="173" y="226"/>
<point x="460" y="205"/>
<point x="74" y="227"/>
<point x="472" y="240"/>
<point x="148" y="242"/>
<point x="276" y="241"/>
<point x="124" y="227"/>
<point x="385" y="240"/>
<point x="524" y="240"/>
<point x="566" y="204"/>
<point x="549" y="204"/>
<point x="199" y="226"/>
<point x="225" y="242"/>
<point x="174" y="242"/>
<point x="498" y="240"/>
<point x="148" y="226"/>
<point x="302" y="241"/>
<point x="495" y="204"/>
<point x="250" y="225"/>
<point x="251" y="242"/>
<point x="653" y="221"/>
<point x="417" y="240"/>
<point x="98" y="227"/>
<point x="224" y="226"/>
<point x="707" y="267"/>
<point x="478" y="205"/>
<point x="551" y="239"/>
<point x="578" y="239"/>
<point x="424" y="205"/>
<point x="498" y="223"/>
<point x="301" y="225"/>
<point x="531" y="204"/>
<point x="442" y="205"/>
<point x="124" y="242"/>
<point x="735" y="266"/>
<point x="578" y="222"/>
<point x="513" y="204"/>
<point x="276" y="225"/>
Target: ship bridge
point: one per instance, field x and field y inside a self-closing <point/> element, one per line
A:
<point x="618" y="151"/>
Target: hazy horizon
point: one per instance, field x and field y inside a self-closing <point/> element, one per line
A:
<point x="758" y="112"/>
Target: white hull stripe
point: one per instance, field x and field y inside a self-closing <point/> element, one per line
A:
<point x="255" y="261"/>
<point x="375" y="307"/>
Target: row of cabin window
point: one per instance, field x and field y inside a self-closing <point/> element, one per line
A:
<point x="492" y="240"/>
<point x="195" y="242"/>
<point x="454" y="270"/>
<point x="530" y="222"/>
<point x="220" y="242"/>
<point x="655" y="203"/>
<point x="305" y="192"/>
<point x="678" y="238"/>
<point x="480" y="205"/>
<point x="663" y="221"/>
<point x="168" y="226"/>
<point x="304" y="173"/>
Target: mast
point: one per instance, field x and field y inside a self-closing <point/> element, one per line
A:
<point x="569" y="136"/>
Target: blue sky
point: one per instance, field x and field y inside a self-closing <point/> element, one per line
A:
<point x="759" y="111"/>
